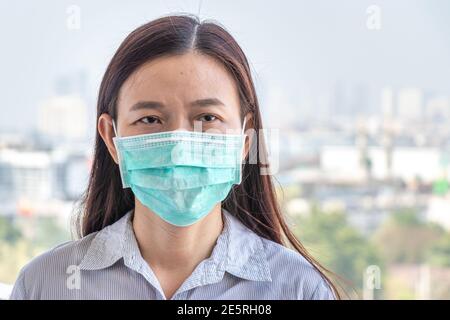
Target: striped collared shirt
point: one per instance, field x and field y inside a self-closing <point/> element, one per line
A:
<point x="108" y="265"/>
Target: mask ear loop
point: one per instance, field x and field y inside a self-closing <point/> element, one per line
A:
<point x="114" y="128"/>
<point x="243" y="125"/>
<point x="241" y="164"/>
<point x="119" y="158"/>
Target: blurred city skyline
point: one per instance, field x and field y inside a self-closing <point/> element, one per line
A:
<point x="303" y="54"/>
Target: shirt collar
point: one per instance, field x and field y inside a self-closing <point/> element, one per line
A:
<point x="238" y="250"/>
<point x="246" y="256"/>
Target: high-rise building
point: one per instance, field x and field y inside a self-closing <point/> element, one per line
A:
<point x="438" y="108"/>
<point x="31" y="179"/>
<point x="63" y="117"/>
<point x="387" y="103"/>
<point x="25" y="174"/>
<point x="410" y="104"/>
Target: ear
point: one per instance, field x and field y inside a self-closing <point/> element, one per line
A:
<point x="106" y="131"/>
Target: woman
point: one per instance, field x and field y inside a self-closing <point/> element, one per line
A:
<point x="163" y="220"/>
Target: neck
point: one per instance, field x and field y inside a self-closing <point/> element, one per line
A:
<point x="167" y="247"/>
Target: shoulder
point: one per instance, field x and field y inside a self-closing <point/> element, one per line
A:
<point x="288" y="274"/>
<point x="294" y="274"/>
<point x="50" y="268"/>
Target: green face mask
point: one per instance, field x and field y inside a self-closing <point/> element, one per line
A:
<point x="180" y="175"/>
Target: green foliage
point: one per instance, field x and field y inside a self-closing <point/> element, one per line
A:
<point x="404" y="238"/>
<point x="8" y="231"/>
<point x="405" y="218"/>
<point x="48" y="233"/>
<point x="439" y="254"/>
<point x="337" y="245"/>
<point x="17" y="246"/>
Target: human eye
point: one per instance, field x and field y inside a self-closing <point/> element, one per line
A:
<point x="149" y="120"/>
<point x="207" y="118"/>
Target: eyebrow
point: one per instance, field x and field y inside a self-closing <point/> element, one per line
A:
<point x="207" y="102"/>
<point x="146" y="105"/>
<point x="158" y="105"/>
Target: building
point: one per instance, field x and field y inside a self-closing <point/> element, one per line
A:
<point x="405" y="163"/>
<point x="410" y="104"/>
<point x="41" y="181"/>
<point x="63" y="118"/>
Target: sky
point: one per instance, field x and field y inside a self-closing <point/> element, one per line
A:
<point x="295" y="48"/>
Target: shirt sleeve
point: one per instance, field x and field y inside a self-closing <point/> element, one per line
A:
<point x="19" y="290"/>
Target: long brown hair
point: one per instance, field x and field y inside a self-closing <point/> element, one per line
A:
<point x="254" y="201"/>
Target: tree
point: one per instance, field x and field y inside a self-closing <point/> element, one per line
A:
<point x="8" y="231"/>
<point x="337" y="245"/>
<point x="404" y="238"/>
<point x="16" y="248"/>
<point x="439" y="254"/>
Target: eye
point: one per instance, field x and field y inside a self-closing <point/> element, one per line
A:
<point x="208" y="118"/>
<point x="149" y="120"/>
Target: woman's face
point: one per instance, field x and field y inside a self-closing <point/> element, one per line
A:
<point x="175" y="93"/>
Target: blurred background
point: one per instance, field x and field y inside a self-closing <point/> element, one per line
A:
<point x="360" y="91"/>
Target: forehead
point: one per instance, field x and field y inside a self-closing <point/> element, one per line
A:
<point x="182" y="77"/>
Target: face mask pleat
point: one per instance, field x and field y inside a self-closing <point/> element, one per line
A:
<point x="180" y="178"/>
<point x="176" y="209"/>
<point x="180" y="154"/>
